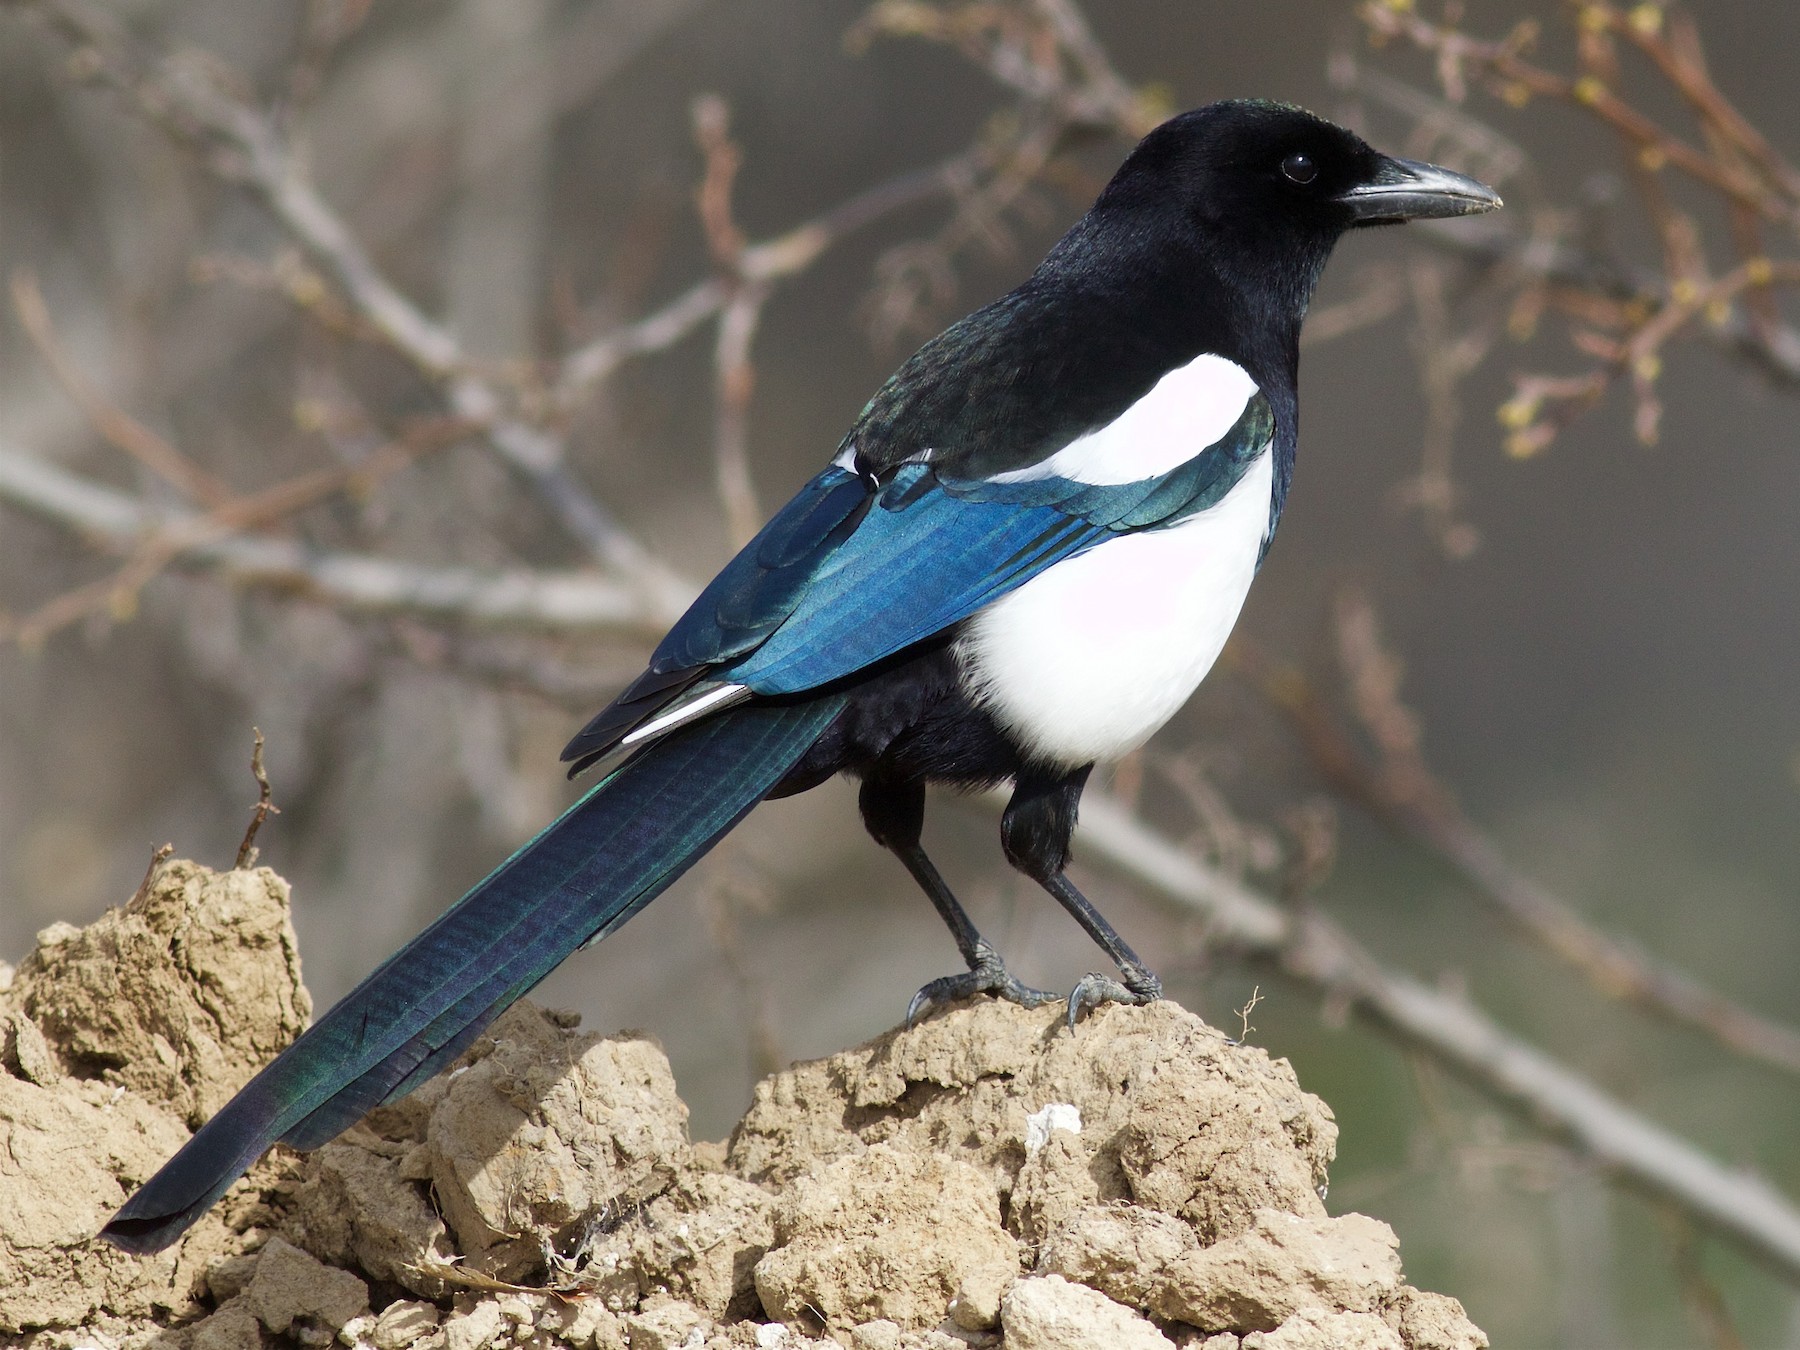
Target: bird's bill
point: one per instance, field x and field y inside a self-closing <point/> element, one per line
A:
<point x="1406" y="189"/>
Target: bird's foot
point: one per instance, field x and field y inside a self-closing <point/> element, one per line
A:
<point x="990" y="976"/>
<point x="1136" y="986"/>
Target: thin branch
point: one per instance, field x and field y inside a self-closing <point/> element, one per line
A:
<point x="121" y="431"/>
<point x="1520" y="80"/>
<point x="734" y="372"/>
<point x="1755" y="185"/>
<point x="773" y="260"/>
<point x="118" y="595"/>
<point x="189" y="100"/>
<point x="570" y="602"/>
<point x="1400" y="790"/>
<point x="158" y="856"/>
<point x="734" y="384"/>
<point x="1739" y="1206"/>
<point x="264" y="808"/>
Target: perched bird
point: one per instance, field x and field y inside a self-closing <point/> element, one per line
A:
<point x="1024" y="557"/>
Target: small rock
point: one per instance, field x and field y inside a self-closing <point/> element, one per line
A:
<point x="477" y="1329"/>
<point x="27" y="1048"/>
<point x="57" y="934"/>
<point x="976" y="1306"/>
<point x="887" y="1233"/>
<point x="1435" y="1322"/>
<point x="228" y="1278"/>
<point x="547" y="1126"/>
<point x="355" y="1208"/>
<point x="233" y="1327"/>
<point x="400" y="1324"/>
<point x="1123" y="1251"/>
<point x="289" y="1285"/>
<point x="880" y="1334"/>
<point x="1048" y="1312"/>
<point x="669" y="1326"/>
<point x="1257" y="1280"/>
<point x="1317" y="1329"/>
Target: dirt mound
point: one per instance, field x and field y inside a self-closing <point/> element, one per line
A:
<point x="986" y="1179"/>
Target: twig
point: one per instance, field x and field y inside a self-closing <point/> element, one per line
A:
<point x="734" y="384"/>
<point x="356" y="583"/>
<point x="1245" y="1011"/>
<point x="1755" y="184"/>
<point x="117" y="595"/>
<point x="1741" y="1207"/>
<point x="264" y="808"/>
<point x="158" y="856"/>
<point x="770" y="261"/>
<point x="1519" y="80"/>
<point x="123" y="432"/>
<point x="186" y="99"/>
<point x="734" y="374"/>
<point x="1400" y="790"/>
<point x="1702" y="1297"/>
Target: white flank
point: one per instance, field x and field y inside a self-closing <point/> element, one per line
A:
<point x="681" y="713"/>
<point x="1086" y="660"/>
<point x="1185" y="411"/>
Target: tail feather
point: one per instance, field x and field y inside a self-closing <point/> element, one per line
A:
<point x="603" y="860"/>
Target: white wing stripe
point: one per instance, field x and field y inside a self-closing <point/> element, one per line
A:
<point x="1187" y="410"/>
<point x="683" y="712"/>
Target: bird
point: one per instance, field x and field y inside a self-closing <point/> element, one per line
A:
<point x="1022" y="559"/>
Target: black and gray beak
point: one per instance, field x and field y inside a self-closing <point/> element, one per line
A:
<point x="1405" y="189"/>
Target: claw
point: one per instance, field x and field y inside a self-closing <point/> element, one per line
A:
<point x="990" y="977"/>
<point x="1138" y="988"/>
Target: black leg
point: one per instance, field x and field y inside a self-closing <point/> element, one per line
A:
<point x="894" y="813"/>
<point x="1035" y="832"/>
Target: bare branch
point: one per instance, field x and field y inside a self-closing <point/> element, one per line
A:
<point x="1399" y="789"/>
<point x="357" y="583"/>
<point x="187" y="98"/>
<point x="1754" y="185"/>
<point x="264" y="808"/>
<point x="124" y="433"/>
<point x="1736" y="1204"/>
<point x="734" y="371"/>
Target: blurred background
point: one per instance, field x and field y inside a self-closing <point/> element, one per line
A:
<point x="1596" y="636"/>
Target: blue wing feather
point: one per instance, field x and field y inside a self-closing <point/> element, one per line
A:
<point x="594" y="867"/>
<point x="934" y="550"/>
<point x="854" y="570"/>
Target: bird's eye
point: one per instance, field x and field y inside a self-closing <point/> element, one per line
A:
<point x="1299" y="168"/>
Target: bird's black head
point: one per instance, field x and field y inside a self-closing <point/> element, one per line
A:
<point x="1252" y="195"/>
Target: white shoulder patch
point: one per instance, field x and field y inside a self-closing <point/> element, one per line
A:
<point x="1185" y="411"/>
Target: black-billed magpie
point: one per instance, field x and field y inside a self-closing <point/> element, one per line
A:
<point x="1024" y="557"/>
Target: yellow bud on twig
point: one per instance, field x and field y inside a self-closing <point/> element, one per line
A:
<point x="1518" y="412"/>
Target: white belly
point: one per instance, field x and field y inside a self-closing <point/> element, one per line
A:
<point x="1086" y="660"/>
